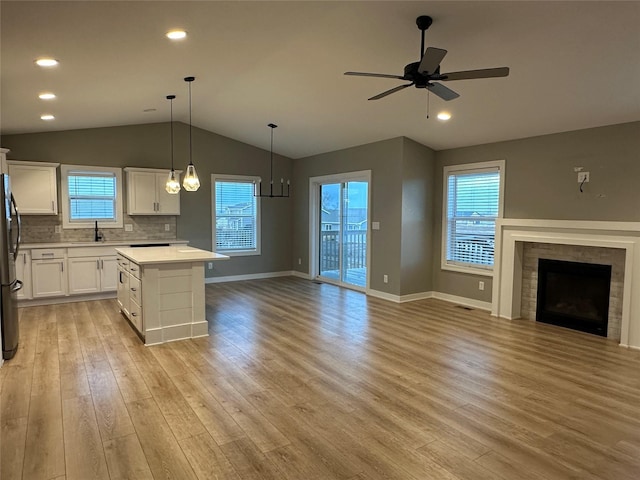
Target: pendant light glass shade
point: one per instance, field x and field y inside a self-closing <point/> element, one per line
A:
<point x="191" y="182"/>
<point x="173" y="185"/>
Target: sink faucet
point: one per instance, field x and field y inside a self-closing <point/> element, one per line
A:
<point x="98" y="236"/>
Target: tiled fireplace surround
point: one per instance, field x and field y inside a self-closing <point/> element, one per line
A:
<point x="519" y="244"/>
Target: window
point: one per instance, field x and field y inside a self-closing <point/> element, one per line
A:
<point x="472" y="202"/>
<point x="236" y="215"/>
<point x="91" y="194"/>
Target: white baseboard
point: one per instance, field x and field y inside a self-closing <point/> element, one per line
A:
<point x="399" y="298"/>
<point x="33" y="302"/>
<point x="250" y="276"/>
<point x="467" y="302"/>
<point x="298" y="274"/>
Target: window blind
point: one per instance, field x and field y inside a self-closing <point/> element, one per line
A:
<point x="473" y="204"/>
<point x="92" y="196"/>
<point x="236" y="221"/>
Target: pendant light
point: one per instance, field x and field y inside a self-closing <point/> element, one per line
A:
<point x="173" y="185"/>
<point x="258" y="192"/>
<point x="191" y="182"/>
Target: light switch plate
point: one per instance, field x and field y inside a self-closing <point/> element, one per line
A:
<point x="57" y="229"/>
<point x="128" y="227"/>
<point x="583" y="177"/>
<point x="167" y="227"/>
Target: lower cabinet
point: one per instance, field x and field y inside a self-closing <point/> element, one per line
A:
<point x="49" y="278"/>
<point x="92" y="274"/>
<point x="130" y="292"/>
<point x="23" y="273"/>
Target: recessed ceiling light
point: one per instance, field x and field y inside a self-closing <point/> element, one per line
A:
<point x="47" y="96"/>
<point x="444" y="116"/>
<point x="176" y="34"/>
<point x="47" y="62"/>
<point x="47" y="116"/>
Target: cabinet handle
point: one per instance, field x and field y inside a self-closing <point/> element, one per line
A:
<point x="52" y="206"/>
<point x="98" y="264"/>
<point x="47" y="254"/>
<point x="134" y="314"/>
<point x="62" y="266"/>
<point x="101" y="264"/>
<point x="133" y="289"/>
<point x="24" y="259"/>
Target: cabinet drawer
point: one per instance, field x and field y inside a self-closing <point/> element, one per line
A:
<point x="124" y="263"/>
<point x="134" y="269"/>
<point x="135" y="312"/>
<point x="47" y="253"/>
<point x="134" y="288"/>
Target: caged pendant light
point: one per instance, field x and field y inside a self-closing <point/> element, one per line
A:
<point x="257" y="192"/>
<point x="191" y="182"/>
<point x="173" y="185"/>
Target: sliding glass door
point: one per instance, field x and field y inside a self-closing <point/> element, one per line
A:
<point x="342" y="232"/>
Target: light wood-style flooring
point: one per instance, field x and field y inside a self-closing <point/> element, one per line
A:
<point x="306" y="381"/>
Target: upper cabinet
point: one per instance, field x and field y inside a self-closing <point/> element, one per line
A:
<point x="146" y="194"/>
<point x="34" y="186"/>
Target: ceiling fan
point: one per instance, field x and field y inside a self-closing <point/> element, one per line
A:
<point x="426" y="72"/>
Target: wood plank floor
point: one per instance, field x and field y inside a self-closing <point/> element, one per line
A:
<point x="306" y="381"/>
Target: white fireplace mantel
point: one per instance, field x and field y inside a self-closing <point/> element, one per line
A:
<point x="511" y="234"/>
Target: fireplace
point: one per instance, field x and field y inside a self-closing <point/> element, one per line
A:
<point x="574" y="295"/>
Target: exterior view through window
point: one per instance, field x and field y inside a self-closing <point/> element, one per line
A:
<point x="472" y="204"/>
<point x="92" y="196"/>
<point x="236" y="216"/>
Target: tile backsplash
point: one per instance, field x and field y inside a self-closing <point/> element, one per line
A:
<point x="42" y="229"/>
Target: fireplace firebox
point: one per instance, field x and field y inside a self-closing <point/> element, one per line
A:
<point x="574" y="295"/>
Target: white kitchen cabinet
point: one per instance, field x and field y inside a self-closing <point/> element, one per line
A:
<point x="23" y="273"/>
<point x="48" y="273"/>
<point x="146" y="194"/>
<point x="130" y="292"/>
<point x="34" y="185"/>
<point x="123" y="285"/>
<point x="92" y="270"/>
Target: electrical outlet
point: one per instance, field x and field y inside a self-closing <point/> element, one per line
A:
<point x="299" y="261"/>
<point x="385" y="278"/>
<point x="210" y="265"/>
<point x="57" y="229"/>
<point x="583" y="177"/>
<point x="480" y="285"/>
<point x="128" y="227"/>
<point x="167" y="227"/>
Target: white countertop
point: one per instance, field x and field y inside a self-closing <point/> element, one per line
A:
<point x="115" y="243"/>
<point x="175" y="254"/>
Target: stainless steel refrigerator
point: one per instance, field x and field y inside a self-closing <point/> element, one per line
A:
<point x="9" y="284"/>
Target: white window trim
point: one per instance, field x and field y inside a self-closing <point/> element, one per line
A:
<point x="66" y="222"/>
<point x="486" y="271"/>
<point x="240" y="178"/>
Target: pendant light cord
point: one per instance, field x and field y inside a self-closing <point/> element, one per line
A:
<point x="190" y="159"/>
<point x="172" y="134"/>
<point x="271" y="173"/>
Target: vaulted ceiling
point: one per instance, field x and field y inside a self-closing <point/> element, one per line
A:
<point x="573" y="65"/>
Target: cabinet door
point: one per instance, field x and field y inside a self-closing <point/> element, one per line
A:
<point x="84" y="275"/>
<point x="141" y="193"/>
<point x="23" y="273"/>
<point x="48" y="278"/>
<point x="168" y="204"/>
<point x="35" y="189"/>
<point x="123" y="290"/>
<point x="109" y="274"/>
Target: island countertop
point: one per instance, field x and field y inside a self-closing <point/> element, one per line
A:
<point x="173" y="254"/>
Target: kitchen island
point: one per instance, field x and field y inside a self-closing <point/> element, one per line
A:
<point x="161" y="291"/>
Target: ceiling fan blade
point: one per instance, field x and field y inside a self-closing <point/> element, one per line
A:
<point x="443" y="92"/>
<point x="469" y="74"/>
<point x="389" y="92"/>
<point x="431" y="60"/>
<point x="381" y="75"/>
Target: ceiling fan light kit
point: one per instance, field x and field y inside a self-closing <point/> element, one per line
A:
<point x="426" y="73"/>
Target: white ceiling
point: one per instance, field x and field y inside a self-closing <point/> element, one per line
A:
<point x="573" y="65"/>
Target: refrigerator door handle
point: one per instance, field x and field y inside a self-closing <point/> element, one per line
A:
<point x="18" y="239"/>
<point x="17" y="286"/>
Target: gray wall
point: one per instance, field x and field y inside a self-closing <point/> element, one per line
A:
<point x="401" y="181"/>
<point x="540" y="184"/>
<point x="148" y="146"/>
<point x="418" y="178"/>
